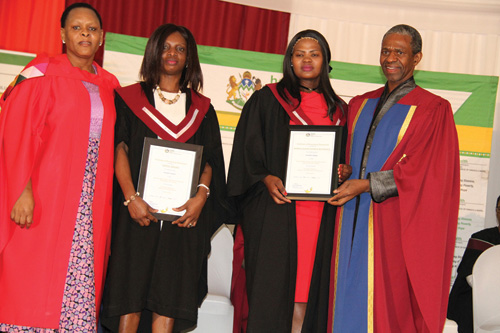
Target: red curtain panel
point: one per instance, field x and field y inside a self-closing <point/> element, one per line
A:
<point x="31" y="25"/>
<point x="212" y="22"/>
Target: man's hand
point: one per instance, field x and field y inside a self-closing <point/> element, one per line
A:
<point x="348" y="190"/>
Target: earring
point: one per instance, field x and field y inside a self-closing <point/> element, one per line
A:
<point x="64" y="42"/>
<point x="100" y="44"/>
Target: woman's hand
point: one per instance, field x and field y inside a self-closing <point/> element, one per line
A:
<point x="276" y="189"/>
<point x="140" y="212"/>
<point x="22" y="212"/>
<point x="344" y="172"/>
<point x="195" y="205"/>
<point x="139" y="209"/>
<point x="193" y="209"/>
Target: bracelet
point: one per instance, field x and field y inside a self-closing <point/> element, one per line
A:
<point x="205" y="186"/>
<point x="132" y="198"/>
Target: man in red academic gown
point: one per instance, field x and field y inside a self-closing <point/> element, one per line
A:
<point x="395" y="234"/>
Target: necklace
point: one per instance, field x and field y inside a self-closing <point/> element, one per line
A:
<point x="166" y="100"/>
<point x="307" y="88"/>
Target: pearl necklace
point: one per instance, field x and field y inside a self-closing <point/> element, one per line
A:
<point x="166" y="100"/>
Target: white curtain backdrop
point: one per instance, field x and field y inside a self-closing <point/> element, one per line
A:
<point x="459" y="36"/>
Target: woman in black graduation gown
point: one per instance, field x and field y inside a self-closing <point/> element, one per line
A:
<point x="161" y="267"/>
<point x="460" y="300"/>
<point x="278" y="294"/>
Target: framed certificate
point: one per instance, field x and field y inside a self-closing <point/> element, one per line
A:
<point x="168" y="176"/>
<point x="312" y="162"/>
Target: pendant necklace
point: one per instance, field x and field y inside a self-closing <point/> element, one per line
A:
<point x="307" y="88"/>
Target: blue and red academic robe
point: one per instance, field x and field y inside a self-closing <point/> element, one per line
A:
<point x="392" y="273"/>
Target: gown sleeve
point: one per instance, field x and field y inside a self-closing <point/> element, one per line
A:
<point x="22" y="123"/>
<point x="248" y="157"/>
<point x="213" y="155"/>
<point x="122" y="125"/>
<point x="427" y="176"/>
<point x="460" y="300"/>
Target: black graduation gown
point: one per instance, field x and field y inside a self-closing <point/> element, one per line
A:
<point x="162" y="271"/>
<point x="460" y="300"/>
<point x="259" y="149"/>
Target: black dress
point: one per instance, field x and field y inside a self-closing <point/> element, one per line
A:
<point x="163" y="271"/>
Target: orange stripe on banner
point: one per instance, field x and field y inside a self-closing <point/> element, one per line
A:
<point x="474" y="138"/>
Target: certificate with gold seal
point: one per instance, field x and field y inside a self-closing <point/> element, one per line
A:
<point x="312" y="162"/>
<point x="168" y="176"/>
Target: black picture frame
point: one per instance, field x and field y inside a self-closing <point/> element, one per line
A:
<point x="145" y="165"/>
<point x="329" y="175"/>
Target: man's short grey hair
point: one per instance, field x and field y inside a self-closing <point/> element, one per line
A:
<point x="403" y="29"/>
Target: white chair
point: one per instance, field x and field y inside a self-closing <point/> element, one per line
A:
<point x="486" y="291"/>
<point x="450" y="326"/>
<point x="216" y="312"/>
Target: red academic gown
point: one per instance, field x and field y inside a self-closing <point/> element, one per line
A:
<point x="414" y="232"/>
<point x="44" y="134"/>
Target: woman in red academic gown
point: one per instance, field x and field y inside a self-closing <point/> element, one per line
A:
<point x="56" y="169"/>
